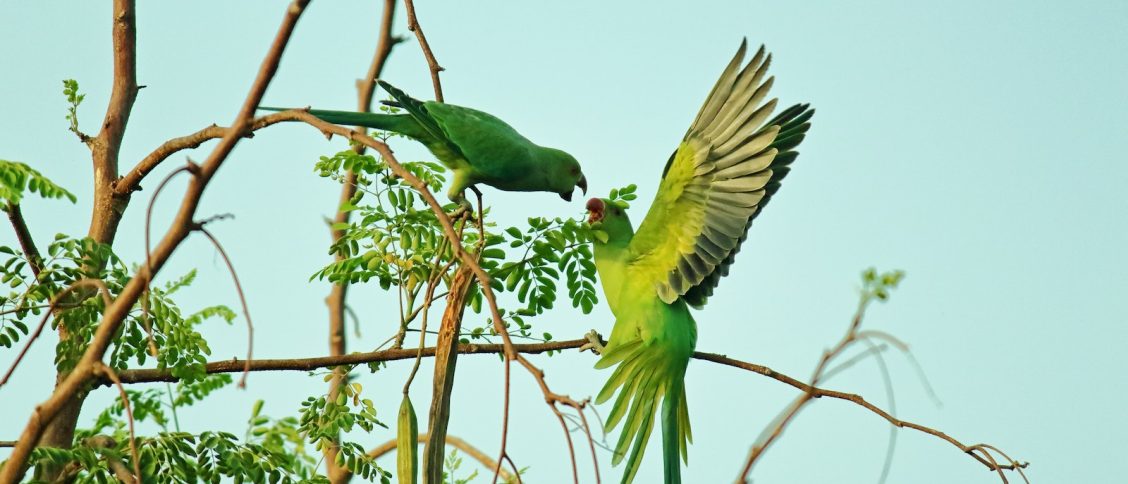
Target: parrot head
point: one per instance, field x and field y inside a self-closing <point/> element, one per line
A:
<point x="564" y="174"/>
<point x="609" y="217"/>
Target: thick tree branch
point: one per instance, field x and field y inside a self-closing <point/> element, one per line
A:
<point x="83" y="373"/>
<point x="106" y="209"/>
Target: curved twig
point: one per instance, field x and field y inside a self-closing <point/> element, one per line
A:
<point x="242" y="302"/>
<point x="452" y="441"/>
<point x="103" y="369"/>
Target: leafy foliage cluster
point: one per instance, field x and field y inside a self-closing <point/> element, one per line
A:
<point x="396" y="240"/>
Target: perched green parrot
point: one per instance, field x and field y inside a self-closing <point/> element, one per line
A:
<point x="725" y="170"/>
<point x="476" y="146"/>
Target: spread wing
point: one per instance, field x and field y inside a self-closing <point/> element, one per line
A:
<point x="724" y="171"/>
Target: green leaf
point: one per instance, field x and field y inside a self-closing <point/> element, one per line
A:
<point x="16" y="177"/>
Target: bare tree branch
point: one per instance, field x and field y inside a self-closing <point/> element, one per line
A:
<point x="413" y="25"/>
<point x="309" y="364"/>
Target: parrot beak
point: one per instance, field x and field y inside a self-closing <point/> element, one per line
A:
<point x="582" y="184"/>
<point x="595" y="209"/>
<point x="567" y="196"/>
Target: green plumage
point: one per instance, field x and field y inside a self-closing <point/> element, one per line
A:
<point x="724" y="171"/>
<point x="477" y="147"/>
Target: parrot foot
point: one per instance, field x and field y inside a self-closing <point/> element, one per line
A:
<point x="463" y="211"/>
<point x="595" y="342"/>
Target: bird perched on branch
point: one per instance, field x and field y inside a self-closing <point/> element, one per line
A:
<point x="476" y="146"/>
<point x="726" y="169"/>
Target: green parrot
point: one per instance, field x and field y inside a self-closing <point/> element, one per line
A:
<point x="725" y="170"/>
<point x="476" y="146"/>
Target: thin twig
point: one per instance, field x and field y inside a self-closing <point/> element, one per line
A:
<point x="101" y="369"/>
<point x="107" y="299"/>
<point x="413" y="25"/>
<point x="242" y="302"/>
<point x="428" y="298"/>
<point x="189" y="167"/>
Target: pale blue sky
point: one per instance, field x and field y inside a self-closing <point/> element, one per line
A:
<point x="979" y="146"/>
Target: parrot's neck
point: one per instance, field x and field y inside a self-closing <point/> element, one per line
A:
<point x="611" y="261"/>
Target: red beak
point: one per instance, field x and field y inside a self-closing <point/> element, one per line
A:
<point x="595" y="209"/>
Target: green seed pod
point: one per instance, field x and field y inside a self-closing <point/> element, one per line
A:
<point x="407" y="443"/>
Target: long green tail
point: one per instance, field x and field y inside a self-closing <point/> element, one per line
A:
<point x="648" y="373"/>
<point x="399" y="123"/>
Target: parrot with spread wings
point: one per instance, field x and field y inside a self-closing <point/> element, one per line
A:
<point x="477" y="147"/>
<point x="724" y="171"/>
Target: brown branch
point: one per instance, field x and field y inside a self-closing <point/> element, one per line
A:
<point x="470" y="450"/>
<point x="131" y="182"/>
<point x="413" y="25"/>
<point x="23" y="235"/>
<point x="114" y="314"/>
<point x="309" y="364"/>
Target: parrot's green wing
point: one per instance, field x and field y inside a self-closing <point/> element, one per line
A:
<point x="722" y="173"/>
<point x="496" y="148"/>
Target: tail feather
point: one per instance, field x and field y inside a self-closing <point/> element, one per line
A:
<point x="647" y="374"/>
<point x="399" y="123"/>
